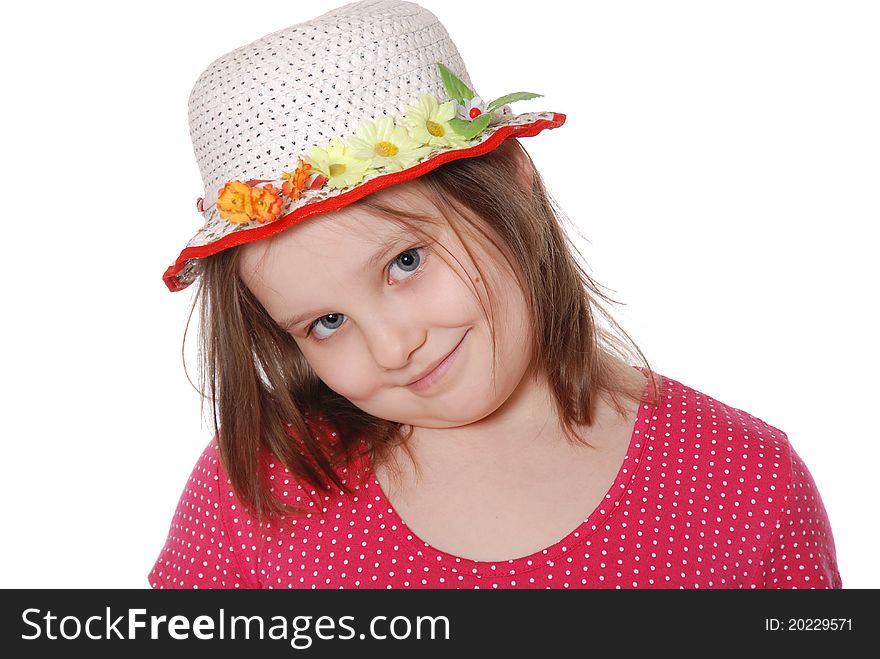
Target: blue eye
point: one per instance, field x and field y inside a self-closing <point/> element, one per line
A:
<point x="332" y="321"/>
<point x="410" y="262"/>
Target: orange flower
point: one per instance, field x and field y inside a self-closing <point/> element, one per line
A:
<point x="234" y="202"/>
<point x="267" y="203"/>
<point x="295" y="181"/>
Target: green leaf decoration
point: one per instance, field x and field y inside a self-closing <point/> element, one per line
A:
<point x="510" y="98"/>
<point x="455" y="87"/>
<point x="470" y="129"/>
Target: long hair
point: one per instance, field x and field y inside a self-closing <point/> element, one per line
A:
<point x="264" y="396"/>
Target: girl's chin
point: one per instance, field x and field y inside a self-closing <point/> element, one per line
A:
<point x="463" y="415"/>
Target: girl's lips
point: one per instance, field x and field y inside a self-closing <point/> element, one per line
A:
<point x="436" y="373"/>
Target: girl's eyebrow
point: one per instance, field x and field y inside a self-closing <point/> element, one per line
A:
<point x="378" y="257"/>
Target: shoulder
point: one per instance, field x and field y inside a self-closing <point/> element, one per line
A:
<point x="706" y="433"/>
<point x="215" y="542"/>
<point x="210" y="539"/>
<point x="202" y="492"/>
<point x="742" y="481"/>
<point x="723" y="467"/>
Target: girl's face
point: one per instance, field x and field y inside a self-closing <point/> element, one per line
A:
<point x="373" y="308"/>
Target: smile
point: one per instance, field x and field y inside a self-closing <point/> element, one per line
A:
<point x="437" y="372"/>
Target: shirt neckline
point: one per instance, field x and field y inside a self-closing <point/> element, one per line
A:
<point x="396" y="525"/>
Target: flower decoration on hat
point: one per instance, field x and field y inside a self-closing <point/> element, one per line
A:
<point x="241" y="202"/>
<point x="391" y="147"/>
<point x="266" y="202"/>
<point x="381" y="145"/>
<point x="295" y="182"/>
<point x="474" y="115"/>
<point x="338" y="162"/>
<point x="235" y="204"/>
<point x="428" y="122"/>
<point x="473" y="109"/>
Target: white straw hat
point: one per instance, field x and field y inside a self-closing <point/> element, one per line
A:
<point x="316" y="116"/>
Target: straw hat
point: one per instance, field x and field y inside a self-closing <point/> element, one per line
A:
<point x="315" y="116"/>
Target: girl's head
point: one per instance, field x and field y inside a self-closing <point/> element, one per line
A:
<point x="337" y="315"/>
<point x="365" y="213"/>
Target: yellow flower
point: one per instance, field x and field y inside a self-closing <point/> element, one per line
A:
<point x="234" y="202"/>
<point x="428" y="122"/>
<point x="266" y="203"/>
<point x="338" y="162"/>
<point x="388" y="145"/>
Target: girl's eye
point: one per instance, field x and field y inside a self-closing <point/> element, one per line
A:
<point x="409" y="262"/>
<point x="333" y="322"/>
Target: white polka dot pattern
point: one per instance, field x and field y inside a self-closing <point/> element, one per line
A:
<point x="708" y="496"/>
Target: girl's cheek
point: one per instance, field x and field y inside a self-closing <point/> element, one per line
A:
<point x="342" y="369"/>
<point x="446" y="295"/>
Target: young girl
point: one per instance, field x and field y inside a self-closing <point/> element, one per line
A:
<point x="410" y="377"/>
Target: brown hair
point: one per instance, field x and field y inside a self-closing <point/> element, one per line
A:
<point x="263" y="392"/>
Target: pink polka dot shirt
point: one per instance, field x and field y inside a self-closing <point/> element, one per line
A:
<point x="708" y="496"/>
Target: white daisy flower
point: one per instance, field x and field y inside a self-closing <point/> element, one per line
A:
<point x="428" y="122"/>
<point x="473" y="109"/>
<point x="388" y="145"/>
<point x="338" y="162"/>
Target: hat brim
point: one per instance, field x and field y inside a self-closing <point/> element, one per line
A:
<point x="182" y="273"/>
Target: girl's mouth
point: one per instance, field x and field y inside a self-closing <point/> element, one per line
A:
<point x="437" y="372"/>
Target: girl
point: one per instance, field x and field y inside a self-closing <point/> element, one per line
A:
<point x="408" y="374"/>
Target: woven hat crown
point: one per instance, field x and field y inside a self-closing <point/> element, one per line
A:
<point x="253" y="110"/>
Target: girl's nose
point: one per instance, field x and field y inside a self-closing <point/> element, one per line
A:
<point x="393" y="341"/>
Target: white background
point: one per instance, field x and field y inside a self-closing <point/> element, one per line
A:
<point x="723" y="159"/>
